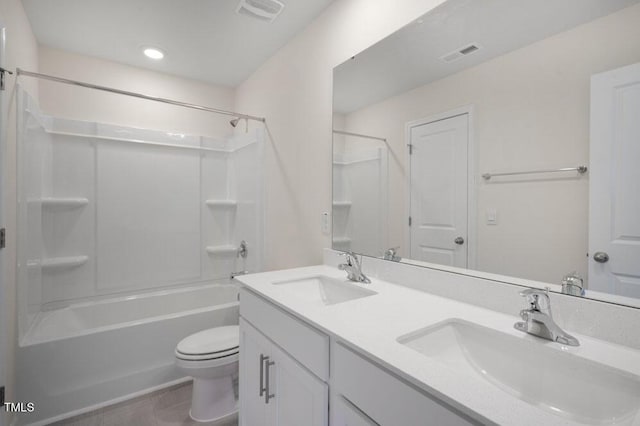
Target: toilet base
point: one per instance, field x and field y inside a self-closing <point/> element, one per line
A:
<point x="213" y="399"/>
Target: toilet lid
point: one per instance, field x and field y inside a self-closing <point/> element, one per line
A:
<point x="218" y="340"/>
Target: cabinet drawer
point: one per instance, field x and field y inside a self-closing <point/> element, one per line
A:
<point x="307" y="345"/>
<point x="385" y="398"/>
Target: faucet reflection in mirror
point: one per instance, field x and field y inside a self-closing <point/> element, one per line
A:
<point x="573" y="284"/>
<point x="392" y="254"/>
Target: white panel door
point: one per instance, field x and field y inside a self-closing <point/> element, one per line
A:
<point x="438" y="191"/>
<point x="614" y="196"/>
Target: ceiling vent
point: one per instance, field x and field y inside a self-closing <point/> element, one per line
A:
<point x="460" y="53"/>
<point x="264" y="10"/>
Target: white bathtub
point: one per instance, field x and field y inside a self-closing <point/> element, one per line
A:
<point x="89" y="355"/>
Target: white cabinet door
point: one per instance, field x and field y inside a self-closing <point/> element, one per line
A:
<point x="299" y="397"/>
<point x="253" y="346"/>
<point x="614" y="199"/>
<point x="275" y="390"/>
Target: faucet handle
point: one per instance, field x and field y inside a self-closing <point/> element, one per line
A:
<point x="350" y="257"/>
<point x="352" y="260"/>
<point x="534" y="297"/>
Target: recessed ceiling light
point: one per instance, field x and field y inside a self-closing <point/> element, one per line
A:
<point x="153" y="53"/>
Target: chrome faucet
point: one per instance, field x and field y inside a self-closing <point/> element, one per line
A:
<point x="392" y="254"/>
<point x="353" y="267"/>
<point x="573" y="284"/>
<point x="539" y="321"/>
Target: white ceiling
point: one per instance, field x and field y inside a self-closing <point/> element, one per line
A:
<point x="409" y="58"/>
<point x="203" y="39"/>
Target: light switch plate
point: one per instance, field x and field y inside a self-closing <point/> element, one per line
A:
<point x="324" y="223"/>
<point x="492" y="217"/>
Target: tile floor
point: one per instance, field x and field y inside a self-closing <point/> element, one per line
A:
<point x="167" y="407"/>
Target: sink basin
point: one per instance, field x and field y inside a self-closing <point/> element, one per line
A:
<point x="553" y="380"/>
<point x="324" y="290"/>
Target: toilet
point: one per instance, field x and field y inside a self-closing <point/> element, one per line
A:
<point x="211" y="358"/>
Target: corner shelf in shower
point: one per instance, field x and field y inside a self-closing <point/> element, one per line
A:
<point x="227" y="204"/>
<point x="57" y="263"/>
<point x="63" y="203"/>
<point x="342" y="204"/>
<point x="342" y="240"/>
<point x="226" y="250"/>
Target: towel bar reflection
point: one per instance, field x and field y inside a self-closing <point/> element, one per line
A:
<point x="580" y="169"/>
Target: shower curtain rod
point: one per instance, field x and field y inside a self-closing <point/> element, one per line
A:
<point x="359" y="135"/>
<point x="20" y="72"/>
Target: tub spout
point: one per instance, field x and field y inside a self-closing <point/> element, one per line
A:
<point x="235" y="274"/>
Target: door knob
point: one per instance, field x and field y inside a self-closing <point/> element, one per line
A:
<point x="601" y="257"/>
<point x="459" y="241"/>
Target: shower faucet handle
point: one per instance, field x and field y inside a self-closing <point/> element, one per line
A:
<point x="242" y="250"/>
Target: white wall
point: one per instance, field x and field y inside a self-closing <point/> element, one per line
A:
<point x="66" y="101"/>
<point x="21" y="51"/>
<point x="293" y="89"/>
<point x="531" y="109"/>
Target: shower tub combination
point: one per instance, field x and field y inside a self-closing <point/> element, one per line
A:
<point x="127" y="240"/>
<point x="92" y="354"/>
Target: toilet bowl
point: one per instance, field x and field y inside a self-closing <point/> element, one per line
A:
<point x="211" y="358"/>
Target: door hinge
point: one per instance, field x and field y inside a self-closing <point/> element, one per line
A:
<point x="3" y="238"/>
<point x="410" y="148"/>
<point x="409" y="220"/>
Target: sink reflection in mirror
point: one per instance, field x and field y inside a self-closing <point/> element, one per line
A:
<point x="427" y="121"/>
<point x="527" y="368"/>
<point x="323" y="290"/>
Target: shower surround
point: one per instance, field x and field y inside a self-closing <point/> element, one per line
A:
<point x="128" y="238"/>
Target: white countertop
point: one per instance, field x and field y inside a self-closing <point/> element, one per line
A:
<point x="372" y="324"/>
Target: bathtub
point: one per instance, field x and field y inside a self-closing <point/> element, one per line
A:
<point x="89" y="355"/>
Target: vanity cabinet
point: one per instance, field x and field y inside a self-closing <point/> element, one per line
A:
<point x="275" y="388"/>
<point x="285" y="380"/>
<point x="367" y="394"/>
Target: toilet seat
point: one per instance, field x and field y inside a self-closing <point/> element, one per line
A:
<point x="209" y="345"/>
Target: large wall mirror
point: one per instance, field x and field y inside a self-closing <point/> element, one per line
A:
<point x="500" y="136"/>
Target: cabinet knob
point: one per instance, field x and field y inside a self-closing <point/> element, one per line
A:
<point x="459" y="241"/>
